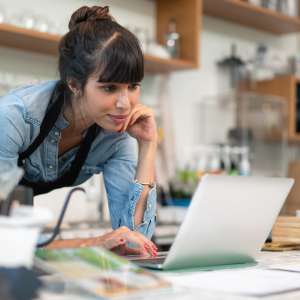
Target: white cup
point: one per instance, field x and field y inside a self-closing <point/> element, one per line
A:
<point x="19" y="235"/>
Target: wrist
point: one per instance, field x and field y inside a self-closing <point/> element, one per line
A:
<point x="147" y="145"/>
<point x="146" y="163"/>
<point x="150" y="184"/>
<point x="147" y="152"/>
<point x="149" y="140"/>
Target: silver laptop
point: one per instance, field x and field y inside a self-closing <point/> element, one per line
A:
<point x="227" y="222"/>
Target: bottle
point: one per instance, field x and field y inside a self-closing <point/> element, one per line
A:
<point x="201" y="165"/>
<point x="244" y="167"/>
<point x="172" y="39"/>
<point x="215" y="162"/>
<point x="226" y="161"/>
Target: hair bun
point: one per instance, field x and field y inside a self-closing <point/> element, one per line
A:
<point x="85" y="13"/>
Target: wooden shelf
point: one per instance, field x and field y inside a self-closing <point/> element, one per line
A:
<point x="45" y="43"/>
<point x="188" y="16"/>
<point x="28" y="40"/>
<point x="160" y="65"/>
<point x="249" y="15"/>
<point x="284" y="86"/>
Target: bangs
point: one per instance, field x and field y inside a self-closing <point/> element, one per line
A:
<point x="121" y="62"/>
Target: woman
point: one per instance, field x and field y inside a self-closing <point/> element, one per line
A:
<point x="63" y="132"/>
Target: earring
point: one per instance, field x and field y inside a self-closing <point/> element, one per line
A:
<point x="75" y="92"/>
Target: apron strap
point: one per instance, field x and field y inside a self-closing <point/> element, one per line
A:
<point x="70" y="176"/>
<point x="48" y="122"/>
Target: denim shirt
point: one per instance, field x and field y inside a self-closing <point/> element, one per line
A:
<point x="115" y="154"/>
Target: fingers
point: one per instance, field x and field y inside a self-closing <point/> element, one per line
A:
<point x="124" y="250"/>
<point x="129" y="118"/>
<point x="130" y="251"/>
<point x="126" y="242"/>
<point x="138" y="112"/>
<point x="139" y="115"/>
<point x="142" y="243"/>
<point x="149" y="245"/>
<point x="135" y="242"/>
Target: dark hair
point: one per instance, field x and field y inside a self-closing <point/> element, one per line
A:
<point x="97" y="44"/>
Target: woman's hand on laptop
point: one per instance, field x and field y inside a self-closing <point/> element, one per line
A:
<point x="123" y="241"/>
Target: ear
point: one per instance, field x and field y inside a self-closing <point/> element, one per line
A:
<point x="73" y="86"/>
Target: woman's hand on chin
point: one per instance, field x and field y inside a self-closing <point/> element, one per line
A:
<point x="141" y="124"/>
<point x="123" y="241"/>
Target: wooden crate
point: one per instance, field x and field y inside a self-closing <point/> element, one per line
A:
<point x="292" y="202"/>
<point x="286" y="230"/>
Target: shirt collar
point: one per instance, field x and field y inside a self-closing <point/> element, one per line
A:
<point x="62" y="122"/>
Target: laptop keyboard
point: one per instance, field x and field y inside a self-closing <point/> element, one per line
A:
<point x="150" y="260"/>
<point x="159" y="259"/>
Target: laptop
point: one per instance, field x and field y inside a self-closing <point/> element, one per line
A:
<point x="227" y="223"/>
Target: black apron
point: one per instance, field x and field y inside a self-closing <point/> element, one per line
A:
<point x="69" y="177"/>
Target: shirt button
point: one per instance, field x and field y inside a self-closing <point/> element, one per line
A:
<point x="149" y="205"/>
<point x="56" y="133"/>
<point x="53" y="141"/>
<point x="50" y="167"/>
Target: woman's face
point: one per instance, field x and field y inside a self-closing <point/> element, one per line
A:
<point x="109" y="104"/>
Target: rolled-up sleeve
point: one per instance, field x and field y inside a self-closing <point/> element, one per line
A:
<point x="123" y="193"/>
<point x="148" y="224"/>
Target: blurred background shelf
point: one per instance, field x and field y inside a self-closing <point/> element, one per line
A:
<point x="28" y="40"/>
<point x="287" y="87"/>
<point x="188" y="22"/>
<point x="188" y="16"/>
<point x="155" y="64"/>
<point x="253" y="16"/>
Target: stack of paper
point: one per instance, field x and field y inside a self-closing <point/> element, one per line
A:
<point x="251" y="282"/>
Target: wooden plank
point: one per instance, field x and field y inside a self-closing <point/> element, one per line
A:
<point x="286" y="239"/>
<point x="288" y="220"/>
<point x="249" y="15"/>
<point x="28" y="40"/>
<point x="293" y="201"/>
<point x="159" y="65"/>
<point x="286" y="229"/>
